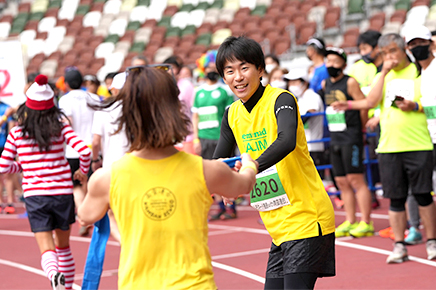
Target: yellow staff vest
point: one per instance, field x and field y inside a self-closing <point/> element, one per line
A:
<point x="161" y="209"/>
<point x="309" y="203"/>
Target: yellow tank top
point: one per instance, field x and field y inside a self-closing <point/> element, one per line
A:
<point x="161" y="208"/>
<point x="309" y="203"/>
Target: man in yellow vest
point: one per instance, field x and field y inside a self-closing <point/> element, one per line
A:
<point x="289" y="194"/>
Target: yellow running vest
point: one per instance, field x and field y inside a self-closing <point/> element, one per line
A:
<point x="161" y="209"/>
<point x="309" y="203"/>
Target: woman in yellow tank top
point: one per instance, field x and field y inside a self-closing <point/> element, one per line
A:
<point x="161" y="197"/>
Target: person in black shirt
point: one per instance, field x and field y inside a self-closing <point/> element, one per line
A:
<point x="346" y="145"/>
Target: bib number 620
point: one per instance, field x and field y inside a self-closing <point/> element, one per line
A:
<point x="264" y="188"/>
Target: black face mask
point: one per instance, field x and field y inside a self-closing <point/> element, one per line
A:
<point x="421" y="52"/>
<point x="213" y="76"/>
<point x="367" y="58"/>
<point x="334" y="71"/>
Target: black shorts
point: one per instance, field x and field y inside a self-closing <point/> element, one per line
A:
<point x="346" y="159"/>
<point x="49" y="212"/>
<point x="312" y="255"/>
<point x="399" y="171"/>
<point x="208" y="148"/>
<point x="74" y="166"/>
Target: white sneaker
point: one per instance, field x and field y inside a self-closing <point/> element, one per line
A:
<point x="398" y="255"/>
<point x="58" y="281"/>
<point x="431" y="249"/>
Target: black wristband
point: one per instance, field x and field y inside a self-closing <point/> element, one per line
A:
<point x="96" y="160"/>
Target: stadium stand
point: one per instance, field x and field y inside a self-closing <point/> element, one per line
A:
<point x="105" y="35"/>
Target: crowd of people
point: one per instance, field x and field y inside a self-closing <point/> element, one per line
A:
<point x="171" y="123"/>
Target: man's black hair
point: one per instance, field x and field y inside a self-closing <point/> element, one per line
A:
<point x="239" y="48"/>
<point x="174" y="60"/>
<point x="319" y="50"/>
<point x="274" y="57"/>
<point x="110" y="75"/>
<point x="369" y="37"/>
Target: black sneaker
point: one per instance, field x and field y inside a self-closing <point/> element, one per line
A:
<point x="218" y="215"/>
<point x="58" y="281"/>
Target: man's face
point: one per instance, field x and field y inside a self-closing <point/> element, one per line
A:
<point x="91" y="87"/>
<point x="365" y="48"/>
<point x="334" y="60"/>
<point x="108" y="82"/>
<point x="310" y="51"/>
<point x="242" y="78"/>
<point x="393" y="52"/>
<point x="417" y="42"/>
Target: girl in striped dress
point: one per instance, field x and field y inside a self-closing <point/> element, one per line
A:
<point x="39" y="143"/>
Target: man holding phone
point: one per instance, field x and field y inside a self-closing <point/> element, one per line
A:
<point x="405" y="147"/>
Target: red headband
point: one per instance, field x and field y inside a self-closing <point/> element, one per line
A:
<point x="39" y="105"/>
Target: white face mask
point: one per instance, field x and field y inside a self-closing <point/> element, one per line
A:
<point x="279" y="84"/>
<point x="269" y="67"/>
<point x="264" y="81"/>
<point x="296" y="90"/>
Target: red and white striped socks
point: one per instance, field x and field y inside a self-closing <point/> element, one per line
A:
<point x="49" y="263"/>
<point x="66" y="265"/>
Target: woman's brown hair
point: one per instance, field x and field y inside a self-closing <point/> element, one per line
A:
<point x="152" y="114"/>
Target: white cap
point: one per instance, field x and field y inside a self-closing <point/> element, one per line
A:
<point x="296" y="74"/>
<point x="417" y="31"/>
<point x="118" y="81"/>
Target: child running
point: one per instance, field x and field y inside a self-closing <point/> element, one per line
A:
<point x="38" y="140"/>
<point x="160" y="196"/>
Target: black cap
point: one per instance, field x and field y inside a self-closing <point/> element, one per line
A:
<point x="74" y="79"/>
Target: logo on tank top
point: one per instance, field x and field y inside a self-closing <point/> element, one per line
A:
<point x="333" y="96"/>
<point x="159" y="203"/>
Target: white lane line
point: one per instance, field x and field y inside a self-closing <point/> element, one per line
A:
<point x="240" y="254"/>
<point x="239" y="272"/>
<point x="238" y="229"/>
<point x="31" y="235"/>
<point x="382" y="252"/>
<point x="223" y="232"/>
<point x="30" y="269"/>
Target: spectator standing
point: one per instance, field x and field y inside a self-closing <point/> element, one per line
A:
<point x="309" y="102"/>
<point x="405" y="148"/>
<point x="346" y="146"/>
<point x="315" y="52"/>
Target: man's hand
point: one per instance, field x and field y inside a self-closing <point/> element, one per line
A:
<point x="340" y="105"/>
<point x="388" y="65"/>
<point x="197" y="148"/>
<point x="405" y="105"/>
<point x="96" y="165"/>
<point x="372" y="123"/>
<point x="80" y="176"/>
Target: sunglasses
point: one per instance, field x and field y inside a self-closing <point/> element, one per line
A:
<point x="138" y="68"/>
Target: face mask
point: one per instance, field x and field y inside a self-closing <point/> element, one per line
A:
<point x="278" y="84"/>
<point x="296" y="90"/>
<point x="333" y="71"/>
<point x="213" y="75"/>
<point x="269" y="68"/>
<point x="264" y="81"/>
<point x="421" y="52"/>
<point x="367" y="58"/>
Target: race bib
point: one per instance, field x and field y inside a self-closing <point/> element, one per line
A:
<point x="268" y="193"/>
<point x="429" y="106"/>
<point x="208" y="117"/>
<point x="335" y="120"/>
<point x="399" y="88"/>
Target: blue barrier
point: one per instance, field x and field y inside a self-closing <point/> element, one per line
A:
<point x="367" y="161"/>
